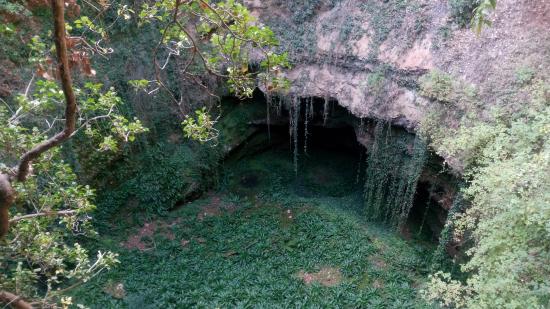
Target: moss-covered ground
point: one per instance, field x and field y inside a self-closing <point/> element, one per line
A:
<point x="263" y="239"/>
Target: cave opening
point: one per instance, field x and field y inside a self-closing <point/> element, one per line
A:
<point x="314" y="148"/>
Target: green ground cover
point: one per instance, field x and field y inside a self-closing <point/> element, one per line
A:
<point x="263" y="239"/>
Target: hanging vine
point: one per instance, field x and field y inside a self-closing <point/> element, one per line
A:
<point x="446" y="237"/>
<point x="293" y="130"/>
<point x="391" y="176"/>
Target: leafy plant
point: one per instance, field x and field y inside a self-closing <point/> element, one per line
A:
<point x="246" y="245"/>
<point x="508" y="170"/>
<point x="437" y="85"/>
<point x="524" y="75"/>
<point x="200" y="129"/>
<point x="480" y="14"/>
<point x="462" y="11"/>
<point x="391" y="177"/>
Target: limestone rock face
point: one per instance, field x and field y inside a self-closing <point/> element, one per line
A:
<point x="369" y="54"/>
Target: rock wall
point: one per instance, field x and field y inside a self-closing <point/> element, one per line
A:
<point x="369" y="54"/>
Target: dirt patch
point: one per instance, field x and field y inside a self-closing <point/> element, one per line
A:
<point x="215" y="208"/>
<point x="199" y="240"/>
<point x="143" y="239"/>
<point x="184" y="242"/>
<point x="378" y="262"/>
<point x="327" y="276"/>
<point x="116" y="290"/>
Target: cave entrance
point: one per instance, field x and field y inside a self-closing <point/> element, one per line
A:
<point x="309" y="148"/>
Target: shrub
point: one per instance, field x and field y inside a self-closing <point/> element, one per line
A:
<point x="509" y="188"/>
<point x="462" y="11"/>
<point x="524" y="75"/>
<point x="437" y="85"/>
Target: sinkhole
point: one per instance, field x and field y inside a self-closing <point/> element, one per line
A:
<point x="315" y="149"/>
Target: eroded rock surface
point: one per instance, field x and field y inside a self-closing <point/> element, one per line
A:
<point x="368" y="55"/>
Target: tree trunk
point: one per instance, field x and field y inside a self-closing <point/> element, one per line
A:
<point x="7" y="195"/>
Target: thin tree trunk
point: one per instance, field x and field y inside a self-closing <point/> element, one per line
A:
<point x="24" y="167"/>
<point x="7" y="197"/>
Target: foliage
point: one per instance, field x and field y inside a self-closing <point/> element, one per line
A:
<point x="444" y="33"/>
<point x="52" y="204"/>
<point x="13" y="8"/>
<point x="376" y="82"/>
<point x="41" y="249"/>
<point x="41" y="256"/>
<point x="298" y="40"/>
<point x="391" y="177"/>
<point x="508" y="167"/>
<point x="31" y="119"/>
<point x="165" y="174"/>
<point x="385" y="17"/>
<point x="200" y="129"/>
<point x="446" y="237"/>
<point x="8" y="41"/>
<point x="444" y="88"/>
<point x="221" y="38"/>
<point x="472" y="12"/>
<point x="524" y="75"/>
<point x="436" y="85"/>
<point x="462" y="11"/>
<point x="481" y="13"/>
<point x="229" y="34"/>
<point x="250" y="254"/>
<point x="303" y="10"/>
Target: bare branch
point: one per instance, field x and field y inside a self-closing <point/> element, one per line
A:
<point x="29" y="86"/>
<point x="61" y="213"/>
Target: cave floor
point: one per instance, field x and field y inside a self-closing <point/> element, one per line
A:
<point x="264" y="239"/>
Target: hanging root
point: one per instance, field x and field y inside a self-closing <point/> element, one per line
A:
<point x="390" y="178"/>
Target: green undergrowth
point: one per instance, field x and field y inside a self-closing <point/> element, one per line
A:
<point x="251" y="243"/>
<point x="171" y="171"/>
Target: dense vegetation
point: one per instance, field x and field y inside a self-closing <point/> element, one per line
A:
<point x="506" y="162"/>
<point x="132" y="185"/>
<point x="41" y="255"/>
<point x="263" y="238"/>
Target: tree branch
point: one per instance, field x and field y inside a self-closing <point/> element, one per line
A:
<point x="67" y="86"/>
<point x="23" y="169"/>
<point x="13" y="300"/>
<point x="61" y="213"/>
